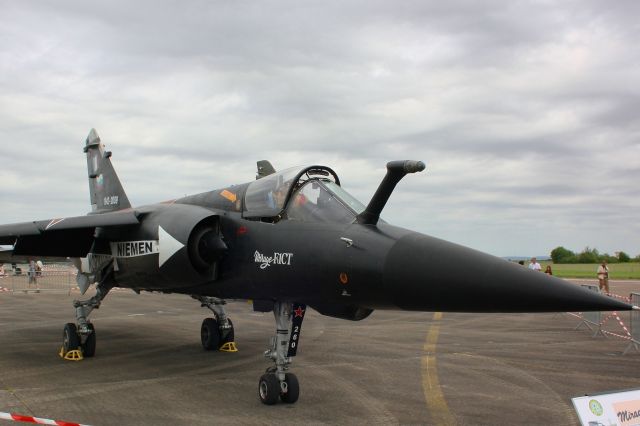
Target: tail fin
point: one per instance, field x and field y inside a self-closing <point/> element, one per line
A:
<point x="105" y="189"/>
<point x="264" y="169"/>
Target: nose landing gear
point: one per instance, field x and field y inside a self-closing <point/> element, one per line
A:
<point x="277" y="383"/>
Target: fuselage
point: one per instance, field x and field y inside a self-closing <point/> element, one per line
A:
<point x="340" y="267"/>
<point x="314" y="262"/>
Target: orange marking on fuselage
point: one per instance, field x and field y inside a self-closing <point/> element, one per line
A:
<point x="229" y="196"/>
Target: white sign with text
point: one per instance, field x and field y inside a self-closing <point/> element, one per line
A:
<point x="609" y="409"/>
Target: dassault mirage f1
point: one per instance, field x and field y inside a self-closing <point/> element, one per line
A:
<point x="286" y="241"/>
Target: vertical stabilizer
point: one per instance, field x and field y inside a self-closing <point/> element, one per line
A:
<point x="105" y="189"/>
<point x="264" y="169"/>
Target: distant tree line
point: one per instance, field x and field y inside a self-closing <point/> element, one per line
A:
<point x="589" y="255"/>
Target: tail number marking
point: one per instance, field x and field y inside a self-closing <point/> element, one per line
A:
<point x="111" y="200"/>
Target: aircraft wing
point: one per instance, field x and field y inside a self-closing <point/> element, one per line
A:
<point x="62" y="237"/>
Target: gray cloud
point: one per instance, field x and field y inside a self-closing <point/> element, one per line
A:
<point x="524" y="111"/>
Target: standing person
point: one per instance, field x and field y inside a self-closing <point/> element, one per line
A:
<point x="548" y="270"/>
<point x="31" y="273"/>
<point x="603" y="276"/>
<point x="534" y="265"/>
<point x="39" y="266"/>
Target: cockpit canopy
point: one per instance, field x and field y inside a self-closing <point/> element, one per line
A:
<point x="311" y="193"/>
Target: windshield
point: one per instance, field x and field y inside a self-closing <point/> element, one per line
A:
<point x="314" y="202"/>
<point x="346" y="198"/>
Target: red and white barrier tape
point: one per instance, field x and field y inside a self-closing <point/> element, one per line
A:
<point x="607" y="318"/>
<point x="617" y="296"/>
<point x="624" y="327"/>
<point x="621" y="323"/>
<point x="4" y="289"/>
<point x="616" y="335"/>
<point x="29" y="419"/>
<point x="615" y="314"/>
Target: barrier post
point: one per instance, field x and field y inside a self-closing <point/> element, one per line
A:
<point x="14" y="272"/>
<point x="634" y="325"/>
<point x="591" y="318"/>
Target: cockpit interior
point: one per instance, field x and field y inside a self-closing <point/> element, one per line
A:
<point x="311" y="193"/>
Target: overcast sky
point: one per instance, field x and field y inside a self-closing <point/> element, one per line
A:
<point x="526" y="113"/>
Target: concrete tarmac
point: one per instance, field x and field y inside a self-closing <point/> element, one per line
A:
<point x="392" y="368"/>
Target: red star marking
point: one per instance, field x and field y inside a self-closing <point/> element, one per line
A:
<point x="299" y="312"/>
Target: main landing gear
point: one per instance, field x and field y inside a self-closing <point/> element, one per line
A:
<point x="216" y="333"/>
<point x="277" y="383"/>
<point x="79" y="341"/>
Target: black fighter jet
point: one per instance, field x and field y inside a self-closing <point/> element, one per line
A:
<point x="287" y="241"/>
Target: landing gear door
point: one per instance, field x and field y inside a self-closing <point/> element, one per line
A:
<point x="297" y="315"/>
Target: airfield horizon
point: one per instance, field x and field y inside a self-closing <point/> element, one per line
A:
<point x="617" y="271"/>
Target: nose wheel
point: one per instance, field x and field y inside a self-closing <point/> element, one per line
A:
<point x="270" y="389"/>
<point x="293" y="389"/>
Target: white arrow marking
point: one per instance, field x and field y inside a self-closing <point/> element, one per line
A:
<point x="168" y="246"/>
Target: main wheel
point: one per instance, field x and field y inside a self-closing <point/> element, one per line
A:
<point x="210" y="334"/>
<point x="230" y="335"/>
<point x="293" y="389"/>
<point x="269" y="389"/>
<point x="70" y="338"/>
<point x="89" y="346"/>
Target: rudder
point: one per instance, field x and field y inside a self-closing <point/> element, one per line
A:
<point x="105" y="189"/>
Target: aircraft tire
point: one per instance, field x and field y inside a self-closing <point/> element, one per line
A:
<point x="210" y="334"/>
<point x="293" y="389"/>
<point x="89" y="347"/>
<point x="230" y="336"/>
<point x="70" y="338"/>
<point x="269" y="389"/>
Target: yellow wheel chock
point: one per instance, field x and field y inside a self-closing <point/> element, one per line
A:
<point x="228" y="347"/>
<point x="74" y="355"/>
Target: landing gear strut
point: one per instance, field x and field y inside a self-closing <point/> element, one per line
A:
<point x="79" y="341"/>
<point x="216" y="333"/>
<point x="277" y="382"/>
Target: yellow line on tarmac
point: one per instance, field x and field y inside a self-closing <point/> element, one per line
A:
<point x="436" y="404"/>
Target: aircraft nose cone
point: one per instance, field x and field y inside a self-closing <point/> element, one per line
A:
<point x="429" y="274"/>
